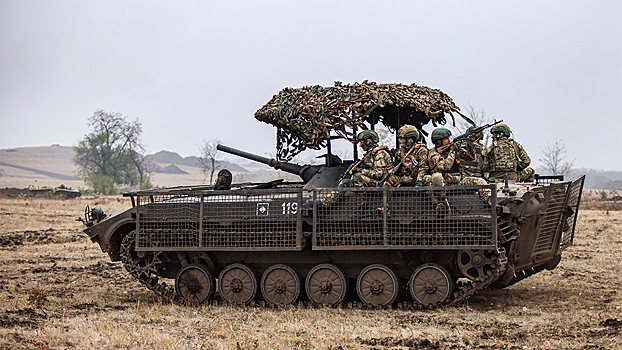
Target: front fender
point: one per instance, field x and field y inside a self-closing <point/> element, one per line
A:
<point x="109" y="231"/>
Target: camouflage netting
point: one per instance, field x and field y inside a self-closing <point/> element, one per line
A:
<point x="306" y="116"/>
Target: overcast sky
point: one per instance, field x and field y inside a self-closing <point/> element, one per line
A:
<point x="194" y="70"/>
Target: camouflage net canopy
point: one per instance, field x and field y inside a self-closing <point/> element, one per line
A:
<point x="306" y="116"/>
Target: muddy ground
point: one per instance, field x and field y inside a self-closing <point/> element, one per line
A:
<point x="58" y="290"/>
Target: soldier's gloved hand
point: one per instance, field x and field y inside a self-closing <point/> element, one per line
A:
<point x="418" y="183"/>
<point x="455" y="147"/>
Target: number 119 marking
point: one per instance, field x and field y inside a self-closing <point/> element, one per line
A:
<point x="290" y="208"/>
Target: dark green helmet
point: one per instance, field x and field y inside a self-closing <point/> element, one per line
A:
<point x="368" y="134"/>
<point x="439" y="134"/>
<point x="501" y="129"/>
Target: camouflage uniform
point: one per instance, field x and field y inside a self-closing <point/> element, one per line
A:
<point x="471" y="159"/>
<point x="374" y="166"/>
<point x="413" y="169"/>
<point x="443" y="168"/>
<point x="508" y="156"/>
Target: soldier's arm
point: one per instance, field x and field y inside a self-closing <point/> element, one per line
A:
<point x="422" y="158"/>
<point x="433" y="160"/>
<point x="447" y="163"/>
<point x="523" y="157"/>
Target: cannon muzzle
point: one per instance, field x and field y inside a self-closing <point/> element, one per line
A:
<point x="306" y="172"/>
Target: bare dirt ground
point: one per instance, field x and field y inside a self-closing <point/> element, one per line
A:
<point x="58" y="290"/>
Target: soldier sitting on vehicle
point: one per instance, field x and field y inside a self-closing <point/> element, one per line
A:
<point x="443" y="166"/>
<point x="223" y="180"/>
<point x="413" y="157"/>
<point x="371" y="169"/>
<point x="506" y="156"/>
<point x="472" y="159"/>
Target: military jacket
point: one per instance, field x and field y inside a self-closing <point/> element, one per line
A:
<point x="442" y="162"/>
<point x="506" y="155"/>
<point x="415" y="166"/>
<point x="471" y="159"/>
<point x="376" y="163"/>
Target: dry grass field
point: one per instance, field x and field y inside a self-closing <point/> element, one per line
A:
<point x="59" y="291"/>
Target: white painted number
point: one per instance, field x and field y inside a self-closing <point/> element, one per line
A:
<point x="290" y="208"/>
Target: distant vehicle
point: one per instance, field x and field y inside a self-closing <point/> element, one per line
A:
<point x="61" y="191"/>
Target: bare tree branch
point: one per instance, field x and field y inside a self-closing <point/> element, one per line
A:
<point x="554" y="159"/>
<point x="208" y="158"/>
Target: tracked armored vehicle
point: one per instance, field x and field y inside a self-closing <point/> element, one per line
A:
<point x="272" y="243"/>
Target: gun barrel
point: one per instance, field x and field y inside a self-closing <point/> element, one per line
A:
<point x="269" y="161"/>
<point x="304" y="171"/>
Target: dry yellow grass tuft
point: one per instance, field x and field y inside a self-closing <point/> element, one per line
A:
<point x="92" y="303"/>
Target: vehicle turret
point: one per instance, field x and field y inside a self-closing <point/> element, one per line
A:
<point x="306" y="172"/>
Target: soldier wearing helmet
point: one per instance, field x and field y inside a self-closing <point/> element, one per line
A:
<point x="414" y="158"/>
<point x="472" y="159"/>
<point x="444" y="167"/>
<point x="374" y="165"/>
<point x="506" y="156"/>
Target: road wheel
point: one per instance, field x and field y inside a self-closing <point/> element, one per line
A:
<point x="326" y="284"/>
<point x="195" y="283"/>
<point x="237" y="284"/>
<point x="280" y="285"/>
<point x="377" y="285"/>
<point x="431" y="284"/>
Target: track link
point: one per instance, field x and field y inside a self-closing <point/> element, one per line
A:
<point x="144" y="269"/>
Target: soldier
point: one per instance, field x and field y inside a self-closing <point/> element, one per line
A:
<point x="472" y="159"/>
<point x="443" y="165"/>
<point x="223" y="180"/>
<point x="414" y="168"/>
<point x="506" y="156"/>
<point x="373" y="166"/>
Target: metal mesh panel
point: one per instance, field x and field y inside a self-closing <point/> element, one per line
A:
<point x="409" y="217"/>
<point x="221" y="220"/>
<point x="574" y="197"/>
<point x="549" y="226"/>
<point x="170" y="221"/>
<point x="264" y="220"/>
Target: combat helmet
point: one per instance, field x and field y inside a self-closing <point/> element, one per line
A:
<point x="369" y="139"/>
<point x="408" y="131"/>
<point x="501" y="128"/>
<point x="438" y="134"/>
<point x="368" y="134"/>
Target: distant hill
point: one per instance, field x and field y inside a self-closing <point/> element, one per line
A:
<point x="168" y="157"/>
<point x="171" y="169"/>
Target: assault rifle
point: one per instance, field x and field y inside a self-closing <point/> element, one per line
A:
<point x="465" y="136"/>
<point x="397" y="167"/>
<point x="350" y="170"/>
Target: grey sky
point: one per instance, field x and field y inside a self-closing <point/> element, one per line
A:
<point x="195" y="70"/>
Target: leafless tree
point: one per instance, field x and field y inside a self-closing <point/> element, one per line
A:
<point x="208" y="158"/>
<point x="554" y="159"/>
